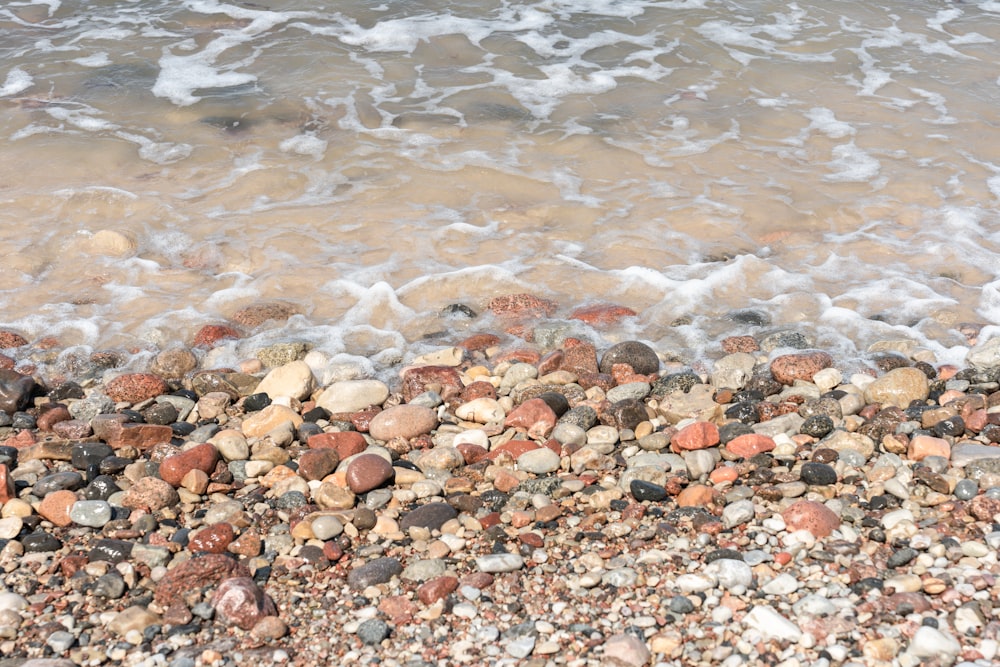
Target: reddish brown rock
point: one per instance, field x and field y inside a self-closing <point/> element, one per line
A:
<point x="254" y="315"/>
<point x="517" y="356"/>
<point x="200" y="457"/>
<point x="15" y="390"/>
<point x="317" y="463"/>
<point x="399" y="608"/>
<point x="210" y="334"/>
<point x="140" y="436"/>
<point x="6" y="363"/>
<point x="135" y="387"/>
<point x="579" y="357"/>
<point x="471" y="453"/>
<point x="248" y="544"/>
<point x="150" y="493"/>
<point x="985" y="508"/>
<point x="362" y="419"/>
<point x="55" y="507"/>
<point x="9" y="339"/>
<point x="734" y="344"/>
<point x="512" y="448"/>
<point x="241" y="602"/>
<point x="345" y="443"/>
<point x="192" y="577"/>
<point x="534" y="416"/>
<point x="7" y="490"/>
<point x="437" y="589"/>
<point x="521" y="305"/>
<point x="749" y="445"/>
<point x="812" y="516"/>
<point x="72" y="429"/>
<point x="479" y="342"/>
<point x="699" y="435"/>
<point x="214" y="539"/>
<point x="478" y="389"/>
<point x="697" y="495"/>
<point x="444" y="379"/>
<point x="602" y="314"/>
<point x="51" y="416"/>
<point x="403" y="421"/>
<point x="788" y="368"/>
<point x="367" y="472"/>
<point x="603" y="380"/>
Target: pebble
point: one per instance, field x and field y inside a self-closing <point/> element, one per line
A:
<point x="373" y="631"/>
<point x="92" y="513"/>
<point x="495" y="563"/>
<point x="771" y="624"/>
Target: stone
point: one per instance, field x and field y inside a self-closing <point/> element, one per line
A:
<point x="899" y="387"/>
<point x="639" y="356"/>
<point x="118" y="434"/>
<point x="482" y="410"/>
<point x="521" y="306"/>
<point x="213" y="404"/>
<point x="818" y="474"/>
<point x="812" y="516"/>
<point x="839" y="440"/>
<point x="10" y="339"/>
<point x="213" y="539"/>
<point x="210" y="334"/>
<point x="373" y="631"/>
<point x="626" y="650"/>
<point x="749" y="445"/>
<point x="241" y="602"/>
<point x="539" y="461"/>
<point x="345" y="443"/>
<point x="135" y="387"/>
<point x="603" y="314"/>
<point x="200" y="457"/>
<point x="174" y="362"/>
<point x="377" y="571"/>
<point x="922" y="446"/>
<point x="430" y="516"/>
<point x="534" y="416"/>
<point x="697" y="495"/>
<point x="494" y="563"/>
<point x="771" y="624"/>
<point x="788" y="368"/>
<point x="195" y="574"/>
<point x="91" y="513"/>
<point x="352" y="395"/>
<point x="294" y="380"/>
<point x="985" y="355"/>
<point x="259" y="424"/>
<point x="367" y="472"/>
<point x="150" y="493"/>
<point x="55" y="507"/>
<point x="136" y="618"/>
<point x="445" y="380"/>
<point x="699" y="435"/>
<point x="931" y="643"/>
<point x="15" y="390"/>
<point x="403" y="421"/>
<point x="315" y="464"/>
<point x="436" y="589"/>
<point x="269" y="628"/>
<point x="256" y="314"/>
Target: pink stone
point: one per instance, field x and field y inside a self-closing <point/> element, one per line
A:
<point x="48" y="419"/>
<point x="922" y="446"/>
<point x="471" y="453"/>
<point x="118" y="433"/>
<point x="521" y="305"/>
<point x="534" y="416"/>
<point x="150" y="493"/>
<point x="200" y="457"/>
<point x="602" y="314"/>
<point x="697" y="495"/>
<point x="480" y="342"/>
<point x="788" y="368"/>
<point x="739" y="344"/>
<point x="135" y="387"/>
<point x="749" y="445"/>
<point x="193" y="575"/>
<point x="812" y="516"/>
<point x="72" y="429"/>
<point x="445" y="379"/>
<point x="699" y="435"/>
<point x="7" y="490"/>
<point x="367" y="472"/>
<point x="10" y="339"/>
<point x="241" y="602"/>
<point x="214" y="539"/>
<point x="579" y="357"/>
<point x="403" y="421"/>
<point x="437" y="589"/>
<point x="346" y="443"/>
<point x="512" y="448"/>
<point x="211" y="334"/>
<point x="55" y="507"/>
<point x="723" y="474"/>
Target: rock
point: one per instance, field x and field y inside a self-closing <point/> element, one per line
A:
<point x="175" y="362"/>
<point x="241" y="602"/>
<point x="818" y="474"/>
<point x="261" y="423"/>
<point x="55" y="507"/>
<point x="10" y="339"/>
<point x="378" y="571"/>
<point x="294" y="379"/>
<point x="200" y="457"/>
<point x="316" y="464"/>
<point x="733" y="370"/>
<point x="899" y="387"/>
<point x="254" y="315"/>
<point x="373" y="631"/>
<point x="922" y="446"/>
<point x="626" y="650"/>
<point x="812" y="516"/>
<point x="210" y="334"/>
<point x="494" y="563"/>
<point x="481" y="410"/>
<point x="430" y="516"/>
<point x="697" y="495"/>
<point x="403" y="421"/>
<point x="437" y="589"/>
<point x="135" y="387"/>
<point x="698" y="435"/>
<point x="194" y="574"/>
<point x="367" y="472"/>
<point x="91" y="513"/>
<point x="345" y="443"/>
<point x="213" y="539"/>
<point x="731" y="574"/>
<point x="150" y="493"/>
<point x="521" y="306"/>
<point x="136" y="618"/>
<point x="269" y="628"/>
<point x="539" y="461"/>
<point x="604" y="314"/>
<point x="788" y="368"/>
<point x="534" y="416"/>
<point x="985" y="355"/>
<point x="840" y="440"/>
<point x="749" y="445"/>
<point x="931" y="643"/>
<point x="639" y="356"/>
<point x="771" y="624"/>
<point x="15" y="390"/>
<point x="352" y="395"/>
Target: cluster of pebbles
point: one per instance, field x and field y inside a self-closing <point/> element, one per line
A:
<point x="504" y="503"/>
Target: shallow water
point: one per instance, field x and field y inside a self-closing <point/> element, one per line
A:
<point x="833" y="165"/>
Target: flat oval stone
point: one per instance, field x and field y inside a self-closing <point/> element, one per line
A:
<point x="368" y="471"/>
<point x="539" y="461"/>
<point x="92" y="513"/>
<point x="499" y="563"/>
<point x="641" y="357"/>
<point x="818" y="474"/>
<point x="378" y="571"/>
<point x="403" y="421"/>
<point x="430" y="516"/>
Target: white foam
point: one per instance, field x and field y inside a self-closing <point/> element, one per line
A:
<point x="17" y="81"/>
<point x="851" y="164"/>
<point x="100" y="59"/>
<point x="304" y="144"/>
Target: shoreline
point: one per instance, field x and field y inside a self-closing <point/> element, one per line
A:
<point x="497" y="503"/>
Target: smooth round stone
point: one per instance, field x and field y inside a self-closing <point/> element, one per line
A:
<point x="373" y="631"/>
<point x="700" y="462"/>
<point x="539" y="461"/>
<point x="368" y="471"/>
<point x="966" y="489"/>
<point x="620" y="577"/>
<point x="60" y="481"/>
<point x="441" y="458"/>
<point x="681" y="604"/>
<point x="352" y="395"/>
<point x="818" y="474"/>
<point x="494" y="563"/>
<point x="378" y="571"/>
<point x="60" y="641"/>
<point x="424" y="570"/>
<point x="654" y="442"/>
<point x="10" y="601"/>
<point x="783" y="584"/>
<point x="641" y="357"/>
<point x="629" y="390"/>
<point x="231" y="444"/>
<point x="39" y="542"/>
<point x="403" y="421"/>
<point x="731" y="574"/>
<point x="430" y="516"/>
<point x="737" y="513"/>
<point x="10" y="527"/>
<point x="110" y="586"/>
<point x="91" y="513"/>
<point x="326" y="527"/>
<point x="647" y="491"/>
<point x="569" y="434"/>
<point x="852" y="457"/>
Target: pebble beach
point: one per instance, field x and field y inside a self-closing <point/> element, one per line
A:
<point x="508" y="498"/>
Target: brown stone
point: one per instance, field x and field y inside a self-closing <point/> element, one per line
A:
<point x="135" y="387"/>
<point x="200" y="457"/>
<point x="602" y="314"/>
<point x="812" y="516"/>
<point x="749" y="445"/>
<point x="437" y="589"/>
<point x="193" y="575"/>
<point x="521" y="305"/>
<point x="254" y="315"/>
<point x="7" y="490"/>
<point x="210" y="334"/>
<point x="248" y="544"/>
<point x="734" y="344"/>
<point x="534" y="416"/>
<point x="345" y="443"/>
<point x="697" y="495"/>
<point x="46" y="450"/>
<point x="214" y="539"/>
<point x="478" y="389"/>
<point x="788" y="368"/>
<point x="52" y="416"/>
<point x="922" y="446"/>
<point x="150" y="493"/>
<point x="444" y="379"/>
<point x="318" y="463"/>
<point x="512" y="448"/>
<point x="140" y="436"/>
<point x="9" y="339"/>
<point x="479" y="342"/>
<point x="699" y="435"/>
<point x="241" y="602"/>
<point x="55" y="507"/>
<point x="263" y="422"/>
<point x="579" y="357"/>
<point x="367" y="472"/>
<point x="471" y="453"/>
<point x="403" y="421"/>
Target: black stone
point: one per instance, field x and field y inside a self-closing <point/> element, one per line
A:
<point x="316" y="414"/>
<point x="756" y="318"/>
<point x="186" y="393"/>
<point x="556" y="402"/>
<point x="901" y="557"/>
<point x="625" y="414"/>
<point x="307" y="429"/>
<point x="458" y="310"/>
<point x="647" y="491"/>
<point x="719" y="554"/>
<point x="291" y="499"/>
<point x="641" y="357"/>
<point x="85" y="454"/>
<point x="15" y="390"/>
<point x="431" y="516"/>
<point x="378" y="571"/>
<point x="954" y="426"/>
<point x="673" y="382"/>
<point x="66" y="390"/>
<point x="162" y="414"/>
<point x="182" y="429"/>
<point x="40" y="541"/>
<point x="731" y="430"/>
<point x="494" y="500"/>
<point x="8" y="455"/>
<point x="110" y="586"/>
<point x="113" y="551"/>
<point x="744" y="413"/>
<point x="22" y="421"/>
<point x="818" y="474"/>
<point x="101" y="488"/>
<point x="816" y="426"/>
<point x="256" y="402"/>
<point x="114" y="464"/>
<point x="58" y="481"/>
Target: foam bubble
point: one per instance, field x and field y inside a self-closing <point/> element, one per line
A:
<point x="17" y="81"/>
<point x="304" y="144"/>
<point x="851" y="164"/>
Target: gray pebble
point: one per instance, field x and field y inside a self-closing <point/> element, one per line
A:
<point x="60" y="641"/>
<point x="373" y="631"/>
<point x="91" y="513"/>
<point x="966" y="489"/>
<point x="499" y="563"/>
<point x="110" y="586"/>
